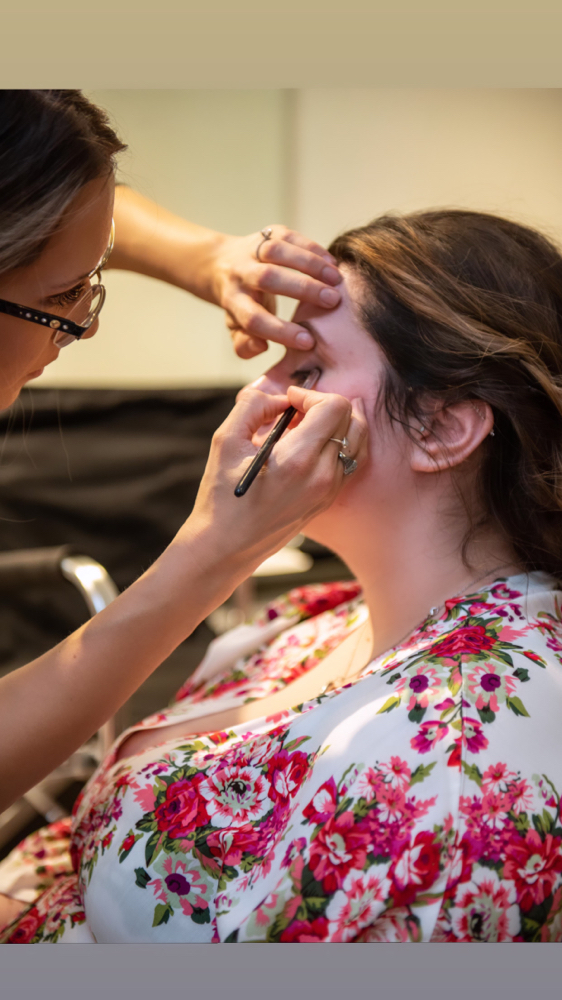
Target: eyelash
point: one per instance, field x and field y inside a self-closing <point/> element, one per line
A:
<point x="69" y="297"/>
<point x="301" y="374"/>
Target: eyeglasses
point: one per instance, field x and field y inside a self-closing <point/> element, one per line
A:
<point x="91" y="301"/>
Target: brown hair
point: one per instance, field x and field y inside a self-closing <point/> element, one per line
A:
<point x="52" y="142"/>
<point x="467" y="305"/>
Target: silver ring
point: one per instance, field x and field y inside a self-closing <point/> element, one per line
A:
<point x="343" y="441"/>
<point x="266" y="233"/>
<point x="349" y="464"/>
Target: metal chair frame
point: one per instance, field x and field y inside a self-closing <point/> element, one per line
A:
<point x="32" y="567"/>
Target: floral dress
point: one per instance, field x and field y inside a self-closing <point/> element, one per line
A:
<point x="419" y="803"/>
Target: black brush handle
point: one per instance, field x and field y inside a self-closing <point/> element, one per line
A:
<point x="263" y="454"/>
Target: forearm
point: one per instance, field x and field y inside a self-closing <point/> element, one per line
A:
<point x="49" y="707"/>
<point x="155" y="242"/>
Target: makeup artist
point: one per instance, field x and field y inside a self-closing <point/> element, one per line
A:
<point x="57" y="203"/>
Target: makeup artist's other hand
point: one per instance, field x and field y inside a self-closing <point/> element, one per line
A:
<point x="246" y="287"/>
<point x="302" y="477"/>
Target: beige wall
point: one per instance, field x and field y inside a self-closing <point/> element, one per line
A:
<point x="322" y="160"/>
<point x="359" y="153"/>
<point x="217" y="158"/>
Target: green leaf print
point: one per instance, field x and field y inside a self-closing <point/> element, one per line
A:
<point x="472" y="772"/>
<point x="421" y="773"/>
<point x="517" y="706"/>
<point x="142" y="878"/>
<point x="486" y="714"/>
<point x="522" y="674"/>
<point x="201" y="915"/>
<point x="500" y="654"/>
<point x="153" y="846"/>
<point x="294" y="744"/>
<point x="417" y="713"/>
<point x="162" y="913"/>
<point x="389" y="704"/>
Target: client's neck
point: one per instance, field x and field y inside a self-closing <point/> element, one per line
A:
<point x="408" y="568"/>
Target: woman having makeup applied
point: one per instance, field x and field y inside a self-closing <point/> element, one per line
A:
<point x="376" y="761"/>
<point x="57" y="202"/>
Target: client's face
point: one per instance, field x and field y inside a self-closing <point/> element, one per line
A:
<point x="351" y="364"/>
<point x="349" y="360"/>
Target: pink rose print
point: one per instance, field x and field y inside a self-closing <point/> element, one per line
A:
<point x="323" y="803"/>
<point x="183" y="809"/>
<point x="355" y="906"/>
<point x="286" y="771"/>
<point x="415" y="869"/>
<point x="341" y="844"/>
<point x="229" y="845"/>
<point x="306" y="931"/>
<point x="395" y="926"/>
<point x="534" y="866"/>
<point x="235" y="795"/>
<point x="467" y="641"/>
<point x="26" y="927"/>
<point x="485" y="909"/>
<point x="429" y="734"/>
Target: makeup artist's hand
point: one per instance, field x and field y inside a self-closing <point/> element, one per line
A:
<point x="225" y="269"/>
<point x="289" y="264"/>
<point x="302" y="477"/>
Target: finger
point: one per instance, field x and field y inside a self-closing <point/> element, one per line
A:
<point x="252" y="409"/>
<point x="301" y="259"/>
<point x="356" y="434"/>
<point x="325" y="414"/>
<point x="256" y="321"/>
<point x="247" y="346"/>
<point x="277" y="280"/>
<point x="292" y="236"/>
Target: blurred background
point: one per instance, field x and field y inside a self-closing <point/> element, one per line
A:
<point x="106" y="450"/>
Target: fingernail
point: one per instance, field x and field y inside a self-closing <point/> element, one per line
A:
<point x="329" y="297"/>
<point x="255" y="385"/>
<point x="331" y="276"/>
<point x="358" y="405"/>
<point x="304" y="340"/>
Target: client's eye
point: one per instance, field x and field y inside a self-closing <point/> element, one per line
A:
<point x="301" y="374"/>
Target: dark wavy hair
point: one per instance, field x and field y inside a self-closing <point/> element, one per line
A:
<point x="52" y="142"/>
<point x="467" y="305"/>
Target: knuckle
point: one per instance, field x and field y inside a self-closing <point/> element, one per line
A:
<point x="264" y="277"/>
<point x="253" y="324"/>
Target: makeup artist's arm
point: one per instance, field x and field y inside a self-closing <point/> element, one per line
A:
<point x="50" y="706"/>
<point x="223" y="269"/>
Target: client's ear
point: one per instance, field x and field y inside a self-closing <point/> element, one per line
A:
<point x="449" y="435"/>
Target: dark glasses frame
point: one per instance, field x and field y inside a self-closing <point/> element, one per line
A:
<point x="68" y="330"/>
